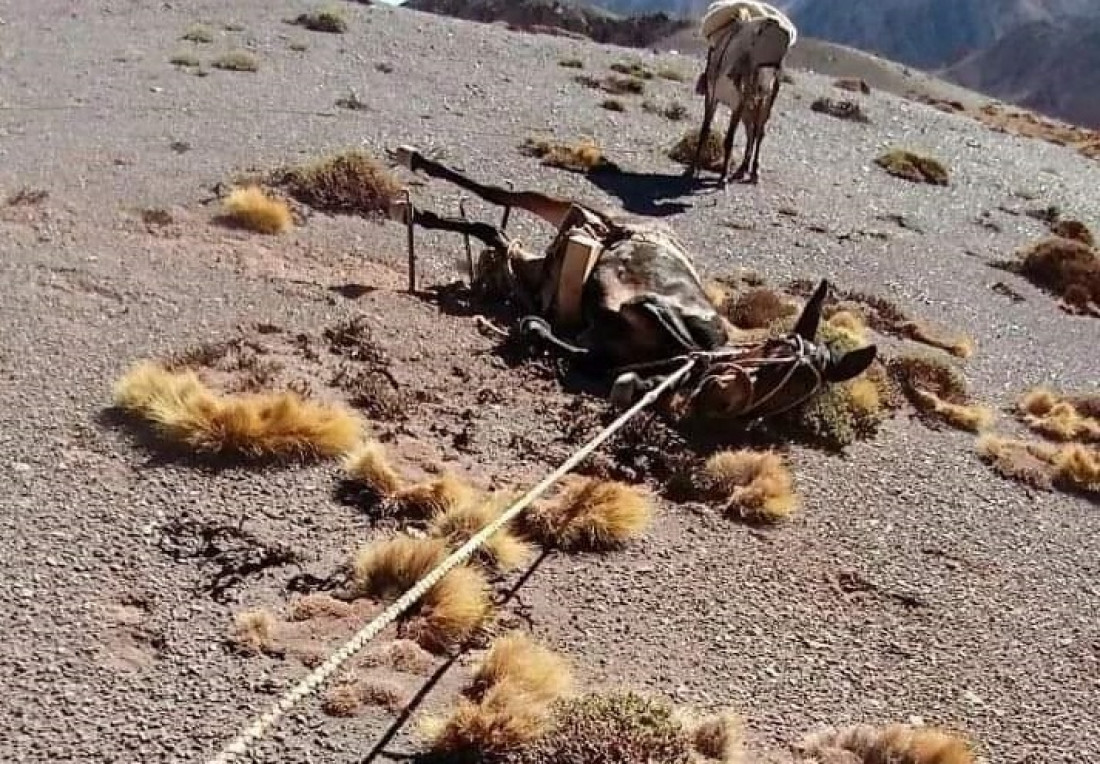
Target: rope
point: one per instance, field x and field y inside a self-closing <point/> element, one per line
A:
<point x="315" y="678"/>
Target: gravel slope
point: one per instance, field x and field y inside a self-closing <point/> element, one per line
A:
<point x="110" y="652"/>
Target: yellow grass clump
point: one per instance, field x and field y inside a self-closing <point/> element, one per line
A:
<point x="185" y="412"/>
<point x="589" y="515"/>
<point x="972" y="417"/>
<point x="758" y="485"/>
<point x="913" y="167"/>
<point x="720" y="738"/>
<point x="889" y="744"/>
<point x="581" y="156"/>
<point x="1071" y="466"/>
<point x="712" y="155"/>
<point x="251" y="208"/>
<point x="851" y="324"/>
<point x="253" y="631"/>
<point x="449" y="613"/>
<point x="460" y="522"/>
<point x="509" y="702"/>
<point x="1067" y="267"/>
<point x="369" y="465"/>
<point x="1058" y="418"/>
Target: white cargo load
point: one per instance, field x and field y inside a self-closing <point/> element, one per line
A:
<point x="721" y="14"/>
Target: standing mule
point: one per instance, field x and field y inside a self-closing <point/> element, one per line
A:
<point x="747" y="43"/>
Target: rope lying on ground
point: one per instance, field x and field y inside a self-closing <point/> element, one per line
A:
<point x="315" y="678"/>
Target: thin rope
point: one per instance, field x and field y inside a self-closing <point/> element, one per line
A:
<point x="315" y="678"/>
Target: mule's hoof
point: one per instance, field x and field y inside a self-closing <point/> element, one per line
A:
<point x="534" y="326"/>
<point x="624" y="390"/>
<point x="402" y="155"/>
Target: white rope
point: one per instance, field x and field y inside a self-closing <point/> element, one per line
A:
<point x="315" y="678"/>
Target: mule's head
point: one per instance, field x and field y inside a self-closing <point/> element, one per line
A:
<point x="778" y="374"/>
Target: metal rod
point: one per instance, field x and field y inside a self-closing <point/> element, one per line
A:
<point x="507" y="210"/>
<point x="466" y="240"/>
<point x="411" y="240"/>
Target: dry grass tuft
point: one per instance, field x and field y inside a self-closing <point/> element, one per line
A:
<point x="913" y="167"/>
<point x="1071" y="466"/>
<point x="757" y="485"/>
<point x="581" y="156"/>
<point x="634" y="69"/>
<point x="759" y="308"/>
<point x="450" y="612"/>
<point x="850" y="323"/>
<point x="251" y="208"/>
<point x="253" y="632"/>
<point x="589" y="515"/>
<point x="841" y="109"/>
<point x="352" y="183"/>
<point x="1057" y="417"/>
<point x="1068" y="268"/>
<point x="461" y="521"/>
<point x="434" y="496"/>
<point x="960" y="347"/>
<point x="509" y="702"/>
<point x="571" y="63"/>
<point x="199" y="33"/>
<point x="237" y="61"/>
<point x="684" y="150"/>
<point x="369" y="465"/>
<point x="328" y="19"/>
<point x="889" y="744"/>
<point x="720" y="738"/>
<point x="349" y="697"/>
<point x="519" y="662"/>
<point x="970" y="417"/>
<point x="184" y="412"/>
<point x="924" y="371"/>
<point x="342" y="700"/>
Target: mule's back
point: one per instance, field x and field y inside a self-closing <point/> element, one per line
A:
<point x="723" y="17"/>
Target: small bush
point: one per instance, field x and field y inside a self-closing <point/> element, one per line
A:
<point x="349" y="183"/>
<point x="620" y="728"/>
<point x="237" y="61"/>
<point x="913" y="167"/>
<point x="759" y="308"/>
<point x="458" y="523"/>
<point x="1067" y="268"/>
<point x="846" y="110"/>
<point x="623" y="86"/>
<point x="571" y="63"/>
<point x="674" y="112"/>
<point x="1073" y="229"/>
<point x="323" y="20"/>
<point x="582" y="156"/>
<point x="632" y="69"/>
<point x="713" y="152"/>
<point x="1061" y="418"/>
<point x="185" y="60"/>
<point x="251" y="208"/>
<point x="199" y="33"/>
<point x="612" y="104"/>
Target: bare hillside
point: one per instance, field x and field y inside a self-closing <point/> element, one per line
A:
<point x="912" y="584"/>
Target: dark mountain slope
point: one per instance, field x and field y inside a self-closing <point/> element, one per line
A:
<point x="1052" y="67"/>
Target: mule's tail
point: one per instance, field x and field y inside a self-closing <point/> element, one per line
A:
<point x="552" y="209"/>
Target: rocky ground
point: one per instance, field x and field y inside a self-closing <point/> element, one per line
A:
<point x="976" y="608"/>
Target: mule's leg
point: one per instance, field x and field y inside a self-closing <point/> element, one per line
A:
<point x="430" y="220"/>
<point x="762" y="121"/>
<point x="731" y="131"/>
<point x="710" y="105"/>
<point x="552" y="209"/>
<point x="751" y="109"/>
<point x="537" y="326"/>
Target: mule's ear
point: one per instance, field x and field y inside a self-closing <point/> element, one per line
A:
<point x="851" y="364"/>
<point x="806" y="328"/>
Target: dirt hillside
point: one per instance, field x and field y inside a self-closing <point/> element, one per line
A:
<point x="913" y="581"/>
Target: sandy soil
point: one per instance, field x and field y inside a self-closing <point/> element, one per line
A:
<point x="979" y="612"/>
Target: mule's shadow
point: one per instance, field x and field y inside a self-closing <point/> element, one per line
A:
<point x="644" y="193"/>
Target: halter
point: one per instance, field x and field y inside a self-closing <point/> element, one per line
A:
<point x="737" y="361"/>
